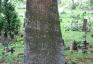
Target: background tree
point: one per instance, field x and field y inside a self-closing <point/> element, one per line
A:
<point x="12" y="22"/>
<point x="91" y="4"/>
<point x="42" y="39"/>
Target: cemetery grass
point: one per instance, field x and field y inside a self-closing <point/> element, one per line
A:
<point x="69" y="36"/>
<point x="17" y="57"/>
<point x="64" y="2"/>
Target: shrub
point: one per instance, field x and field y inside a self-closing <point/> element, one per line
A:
<point x="73" y="6"/>
<point x="79" y="43"/>
<point x="12" y="22"/>
<point x="67" y="28"/>
<point x="75" y="28"/>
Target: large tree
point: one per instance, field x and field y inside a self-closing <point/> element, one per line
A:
<point x="42" y="38"/>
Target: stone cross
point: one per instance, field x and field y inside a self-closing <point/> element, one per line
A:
<point x="2" y="37"/>
<point x="84" y="46"/>
<point x="12" y="50"/>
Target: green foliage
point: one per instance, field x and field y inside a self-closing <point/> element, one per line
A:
<point x="79" y="43"/>
<point x="20" y="39"/>
<point x="2" y="19"/>
<point x="67" y="28"/>
<point x="79" y="27"/>
<point x="11" y="22"/>
<point x="91" y="2"/>
<point x="73" y="6"/>
<point x="75" y="28"/>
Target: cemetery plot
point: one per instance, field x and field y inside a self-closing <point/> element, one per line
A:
<point x="77" y="26"/>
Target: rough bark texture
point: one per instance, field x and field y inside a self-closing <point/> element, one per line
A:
<point x="42" y="38"/>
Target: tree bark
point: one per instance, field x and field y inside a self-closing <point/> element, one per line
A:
<point x="42" y="38"/>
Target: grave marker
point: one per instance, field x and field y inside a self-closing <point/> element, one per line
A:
<point x="63" y="12"/>
<point x="74" y="45"/>
<point x="11" y="50"/>
<point x="84" y="46"/>
<point x="2" y="37"/>
<point x="6" y="48"/>
<point x="59" y="1"/>
<point x="84" y="28"/>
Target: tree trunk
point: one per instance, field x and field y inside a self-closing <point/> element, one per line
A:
<point x="42" y="38"/>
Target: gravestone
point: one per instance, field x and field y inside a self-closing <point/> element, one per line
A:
<point x="11" y="50"/>
<point x="63" y="12"/>
<point x="71" y="27"/>
<point x="19" y="5"/>
<point x="12" y="36"/>
<point x="6" y="48"/>
<point x="74" y="45"/>
<point x="59" y="1"/>
<point x="2" y="37"/>
<point x="21" y="35"/>
<point x="91" y="35"/>
<point x="84" y="28"/>
<point x="84" y="46"/>
<point x="83" y="8"/>
<point x="90" y="46"/>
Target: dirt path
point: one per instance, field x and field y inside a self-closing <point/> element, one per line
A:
<point x="61" y="9"/>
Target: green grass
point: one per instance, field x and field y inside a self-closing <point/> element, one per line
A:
<point x="64" y="2"/>
<point x="68" y="36"/>
<point x="69" y="9"/>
